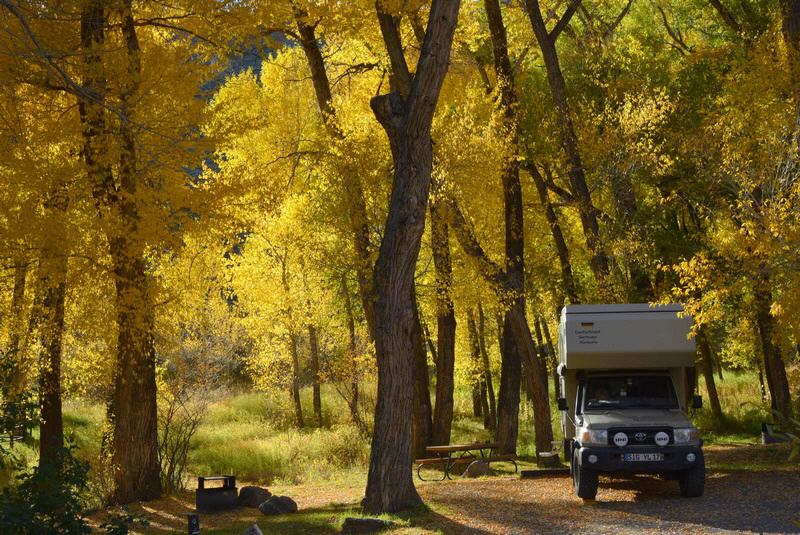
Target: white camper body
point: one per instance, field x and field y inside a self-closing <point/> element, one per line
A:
<point x="627" y="378"/>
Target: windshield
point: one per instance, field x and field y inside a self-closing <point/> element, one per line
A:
<point x="630" y="392"/>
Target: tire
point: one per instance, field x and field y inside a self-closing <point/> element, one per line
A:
<point x="584" y="479"/>
<point x="567" y="450"/>
<point x="692" y="481"/>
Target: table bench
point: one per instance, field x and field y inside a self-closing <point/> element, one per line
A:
<point x="457" y="454"/>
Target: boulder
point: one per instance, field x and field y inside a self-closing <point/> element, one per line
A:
<point x="278" y="505"/>
<point x="253" y="496"/>
<point x="365" y="525"/>
<point x="478" y="468"/>
<point x="253" y="530"/>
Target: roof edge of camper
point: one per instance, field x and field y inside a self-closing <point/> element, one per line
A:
<point x="625" y="336"/>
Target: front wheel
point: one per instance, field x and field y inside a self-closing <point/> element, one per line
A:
<point x="584" y="479"/>
<point x="692" y="481"/>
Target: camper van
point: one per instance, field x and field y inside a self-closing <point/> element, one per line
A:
<point x="627" y="379"/>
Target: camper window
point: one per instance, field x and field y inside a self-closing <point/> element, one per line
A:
<point x="629" y="392"/>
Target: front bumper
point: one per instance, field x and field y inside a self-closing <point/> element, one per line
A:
<point x="609" y="458"/>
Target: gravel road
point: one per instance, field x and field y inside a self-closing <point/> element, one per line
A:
<point x="734" y="502"/>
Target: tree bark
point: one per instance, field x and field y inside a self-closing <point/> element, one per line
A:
<point x="552" y="350"/>
<point x="487" y="371"/>
<point x="773" y="361"/>
<point x="569" y="142"/>
<point x="446" y="328"/>
<point x="407" y="123"/>
<point x="313" y="341"/>
<point x="478" y="385"/>
<point x="706" y="365"/>
<point x="508" y="396"/>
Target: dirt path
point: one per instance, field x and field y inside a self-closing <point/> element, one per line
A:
<point x="734" y="502"/>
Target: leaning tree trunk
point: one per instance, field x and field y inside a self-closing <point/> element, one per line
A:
<point x="569" y="142"/>
<point x="446" y="328"/>
<point x="407" y="123"/>
<point x="707" y="367"/>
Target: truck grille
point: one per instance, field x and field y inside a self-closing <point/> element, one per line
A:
<point x="643" y="436"/>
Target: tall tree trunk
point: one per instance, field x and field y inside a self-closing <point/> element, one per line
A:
<point x="132" y="408"/>
<point x="422" y="427"/>
<point x="706" y="365"/>
<point x="295" y="387"/>
<point x="407" y="122"/>
<point x="313" y="341"/>
<point x="569" y="142"/>
<point x="773" y="361"/>
<point x="487" y="370"/>
<point x="49" y="311"/>
<point x="514" y="246"/>
<point x="446" y="328"/>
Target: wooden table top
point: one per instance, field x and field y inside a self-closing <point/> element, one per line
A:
<point x="463" y="447"/>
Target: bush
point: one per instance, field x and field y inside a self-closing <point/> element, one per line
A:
<point x="46" y="500"/>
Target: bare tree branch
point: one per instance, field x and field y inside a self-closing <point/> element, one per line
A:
<point x="565" y="18"/>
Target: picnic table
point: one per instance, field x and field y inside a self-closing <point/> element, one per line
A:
<point x="453" y="454"/>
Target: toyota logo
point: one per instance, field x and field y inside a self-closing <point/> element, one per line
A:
<point x="640" y="436"/>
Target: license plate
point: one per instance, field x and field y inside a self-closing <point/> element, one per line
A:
<point x="637" y="457"/>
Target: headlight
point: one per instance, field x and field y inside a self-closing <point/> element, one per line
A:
<point x="685" y="435"/>
<point x="598" y="437"/>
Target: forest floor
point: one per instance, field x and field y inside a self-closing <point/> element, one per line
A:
<point x="749" y="488"/>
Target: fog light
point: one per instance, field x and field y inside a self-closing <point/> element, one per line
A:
<point x="593" y="458"/>
<point x="691" y="457"/>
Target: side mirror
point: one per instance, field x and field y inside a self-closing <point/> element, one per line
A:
<point x="562" y="404"/>
<point x="697" y="402"/>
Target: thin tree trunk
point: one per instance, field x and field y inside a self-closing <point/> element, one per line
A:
<point x="773" y="361"/>
<point x="422" y="427"/>
<point x="295" y="387"/>
<point x="351" y="329"/>
<point x="569" y="142"/>
<point x="761" y="381"/>
<point x="313" y="342"/>
<point x="407" y="122"/>
<point x="487" y="371"/>
<point x="641" y="290"/>
<point x="16" y="380"/>
<point x="478" y="385"/>
<point x="707" y="367"/>
<point x="446" y="328"/>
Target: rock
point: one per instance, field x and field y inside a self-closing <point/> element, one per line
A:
<point x="253" y="496"/>
<point x="365" y="525"/>
<point x="253" y="530"/>
<point x="478" y="468"/>
<point x="278" y="505"/>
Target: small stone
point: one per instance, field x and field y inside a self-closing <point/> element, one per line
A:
<point x="278" y="505"/>
<point x="253" y="530"/>
<point x="478" y="468"/>
<point x="253" y="496"/>
<point x="365" y="525"/>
